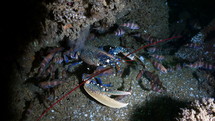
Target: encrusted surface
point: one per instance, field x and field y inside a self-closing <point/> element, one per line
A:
<point x="199" y="110"/>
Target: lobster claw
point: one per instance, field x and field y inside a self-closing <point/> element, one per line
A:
<point x="99" y="93"/>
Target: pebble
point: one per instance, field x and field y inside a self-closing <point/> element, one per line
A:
<point x="192" y="95"/>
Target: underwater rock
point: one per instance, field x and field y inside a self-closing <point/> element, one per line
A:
<point x="199" y="110"/>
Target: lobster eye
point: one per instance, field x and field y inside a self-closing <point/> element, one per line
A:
<point x="107" y="60"/>
<point x="74" y="55"/>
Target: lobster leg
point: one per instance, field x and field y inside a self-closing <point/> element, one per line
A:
<point x="100" y="82"/>
<point x="74" y="64"/>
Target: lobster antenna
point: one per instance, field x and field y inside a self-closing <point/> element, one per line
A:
<point x="153" y="44"/>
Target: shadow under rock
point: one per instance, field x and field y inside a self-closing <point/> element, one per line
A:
<point x="158" y="109"/>
<point x="17" y="33"/>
